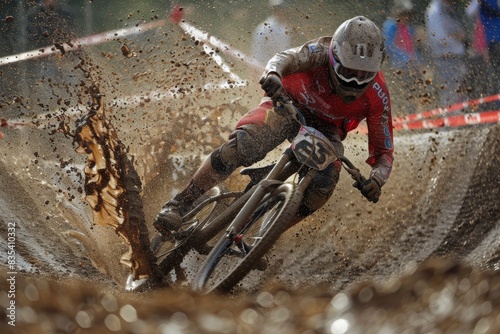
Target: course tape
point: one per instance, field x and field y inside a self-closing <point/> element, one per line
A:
<point x="220" y="45"/>
<point x="485" y="117"/>
<point x="76" y="44"/>
<point x="209" y="43"/>
<point x="210" y="46"/>
<point x="119" y="33"/>
<point x="452" y="121"/>
<point x="442" y="111"/>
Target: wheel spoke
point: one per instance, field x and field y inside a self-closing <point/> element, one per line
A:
<point x="243" y="252"/>
<point x="171" y="252"/>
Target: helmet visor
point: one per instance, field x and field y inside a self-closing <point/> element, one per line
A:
<point x="349" y="74"/>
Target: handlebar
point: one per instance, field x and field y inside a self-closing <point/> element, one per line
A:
<point x="351" y="169"/>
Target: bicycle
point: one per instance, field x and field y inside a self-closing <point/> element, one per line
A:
<point x="253" y="219"/>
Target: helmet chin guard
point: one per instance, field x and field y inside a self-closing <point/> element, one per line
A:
<point x="356" y="54"/>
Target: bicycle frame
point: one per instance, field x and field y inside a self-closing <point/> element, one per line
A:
<point x="251" y="196"/>
<point x="254" y="192"/>
<point x="310" y="148"/>
<point x="309" y="152"/>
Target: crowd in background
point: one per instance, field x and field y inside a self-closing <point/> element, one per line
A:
<point x="452" y="49"/>
<point x="452" y="55"/>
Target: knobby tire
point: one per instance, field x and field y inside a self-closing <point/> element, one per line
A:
<point x="175" y="255"/>
<point x="289" y="200"/>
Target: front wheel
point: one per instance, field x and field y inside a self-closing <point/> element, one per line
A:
<point x="171" y="253"/>
<point x="238" y="252"/>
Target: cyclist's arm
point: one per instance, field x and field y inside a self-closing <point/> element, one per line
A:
<point x="308" y="56"/>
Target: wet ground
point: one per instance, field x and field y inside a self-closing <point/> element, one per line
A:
<point x="423" y="259"/>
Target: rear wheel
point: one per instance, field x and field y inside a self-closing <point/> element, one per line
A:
<point x="238" y="252"/>
<point x="175" y="256"/>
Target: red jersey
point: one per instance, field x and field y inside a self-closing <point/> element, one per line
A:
<point x="305" y="76"/>
<point x="311" y="91"/>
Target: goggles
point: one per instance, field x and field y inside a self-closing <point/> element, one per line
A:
<point x="349" y="74"/>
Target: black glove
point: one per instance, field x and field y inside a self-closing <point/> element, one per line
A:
<point x="370" y="189"/>
<point x="272" y="85"/>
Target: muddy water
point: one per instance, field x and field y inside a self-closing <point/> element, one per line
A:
<point x="352" y="268"/>
<point x="423" y="259"/>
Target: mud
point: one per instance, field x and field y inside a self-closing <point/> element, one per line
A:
<point x="425" y="258"/>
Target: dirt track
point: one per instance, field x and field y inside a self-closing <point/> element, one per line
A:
<point x="440" y="203"/>
<point x="353" y="265"/>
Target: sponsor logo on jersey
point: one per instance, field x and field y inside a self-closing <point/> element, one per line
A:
<point x="382" y="95"/>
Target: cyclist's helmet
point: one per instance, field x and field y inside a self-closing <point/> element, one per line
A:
<point x="356" y="54"/>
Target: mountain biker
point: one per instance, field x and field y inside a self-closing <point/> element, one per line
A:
<point x="336" y="82"/>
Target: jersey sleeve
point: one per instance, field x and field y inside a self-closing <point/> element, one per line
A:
<point x="380" y="133"/>
<point x="306" y="57"/>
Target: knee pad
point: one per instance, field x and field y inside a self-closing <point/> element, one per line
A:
<point x="250" y="149"/>
<point x="320" y="190"/>
<point x="242" y="149"/>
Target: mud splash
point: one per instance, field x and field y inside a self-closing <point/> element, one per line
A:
<point x="113" y="187"/>
<point x="352" y="268"/>
<point x="440" y="295"/>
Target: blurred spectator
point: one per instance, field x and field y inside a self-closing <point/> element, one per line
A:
<point x="400" y="37"/>
<point x="401" y="44"/>
<point x="479" y="64"/>
<point x="273" y="34"/>
<point x="490" y="17"/>
<point x="479" y="44"/>
<point x="447" y="40"/>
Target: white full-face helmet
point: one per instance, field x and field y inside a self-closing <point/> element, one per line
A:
<point x="356" y="54"/>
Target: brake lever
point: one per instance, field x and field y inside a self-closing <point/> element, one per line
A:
<point x="352" y="170"/>
<point x="288" y="108"/>
<point x="355" y="174"/>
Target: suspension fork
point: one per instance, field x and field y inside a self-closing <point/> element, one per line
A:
<point x="306" y="180"/>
